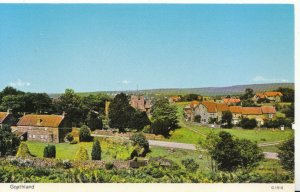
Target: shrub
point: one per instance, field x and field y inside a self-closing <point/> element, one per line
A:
<point x="140" y="140"/>
<point x="286" y="154"/>
<point x="109" y="165"/>
<point x="96" y="151"/>
<point x="23" y="151"/>
<point x="69" y="137"/>
<point x="248" y="123"/>
<point x="50" y="151"/>
<point x="82" y="154"/>
<point x="85" y="133"/>
<point x="190" y="164"/>
<point x="67" y="164"/>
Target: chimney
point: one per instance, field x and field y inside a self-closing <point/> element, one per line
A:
<point x="9" y="111"/>
<point x="39" y="121"/>
<point x="64" y="114"/>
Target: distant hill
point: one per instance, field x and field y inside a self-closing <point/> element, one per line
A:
<point x="206" y="91"/>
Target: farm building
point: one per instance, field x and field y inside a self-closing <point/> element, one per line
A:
<point x="44" y="128"/>
<point x="271" y="96"/>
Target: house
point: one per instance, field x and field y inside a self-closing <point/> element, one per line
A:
<point x="231" y="101"/>
<point x="140" y="103"/>
<point x="236" y="114"/>
<point x="44" y="128"/>
<point x="5" y="117"/>
<point x="189" y="110"/>
<point x="210" y="111"/>
<point x="270" y="96"/>
<point x="174" y="99"/>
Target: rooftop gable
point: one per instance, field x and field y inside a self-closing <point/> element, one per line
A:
<point x="3" y="116"/>
<point x="41" y="120"/>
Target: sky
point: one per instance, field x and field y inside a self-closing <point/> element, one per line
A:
<point x="107" y="47"/>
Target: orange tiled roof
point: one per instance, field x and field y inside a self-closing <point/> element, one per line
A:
<point x="45" y="120"/>
<point x="251" y="111"/>
<point x="211" y="106"/>
<point x="3" y="115"/>
<point x="260" y="95"/>
<point x="194" y="104"/>
<point x="221" y="107"/>
<point x="235" y="109"/>
<point x="272" y="94"/>
<point x="231" y="100"/>
<point x="268" y="109"/>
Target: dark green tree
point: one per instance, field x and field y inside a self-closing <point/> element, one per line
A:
<point x="286" y="154"/>
<point x="85" y="133"/>
<point x="140" y="140"/>
<point x="9" y="142"/>
<point x="94" y="121"/>
<point x="120" y="112"/>
<point x="227" y="119"/>
<point x="288" y="94"/>
<point x="164" y="116"/>
<point x="190" y="97"/>
<point x="96" y="150"/>
<point x="50" y="151"/>
<point x="248" y="123"/>
<point x="139" y="120"/>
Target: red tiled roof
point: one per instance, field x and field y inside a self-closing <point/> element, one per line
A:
<point x="251" y="111"/>
<point x="211" y="106"/>
<point x="268" y="109"/>
<point x="41" y="120"/>
<point x="3" y="115"/>
<point x="272" y="94"/>
<point x="221" y="107"/>
<point x="235" y="109"/>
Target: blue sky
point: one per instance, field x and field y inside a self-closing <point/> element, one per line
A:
<point x="48" y="48"/>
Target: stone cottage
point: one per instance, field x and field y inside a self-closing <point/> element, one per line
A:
<point x="5" y="117"/>
<point x="271" y="96"/>
<point x="44" y="128"/>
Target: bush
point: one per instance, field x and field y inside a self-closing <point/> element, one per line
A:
<point x="109" y="165"/>
<point x="23" y="151"/>
<point x="96" y="151"/>
<point x="286" y="154"/>
<point x="67" y="164"/>
<point x="248" y="123"/>
<point x="85" y="134"/>
<point x="69" y="137"/>
<point x="140" y="140"/>
<point x="81" y="154"/>
<point x="50" y="151"/>
<point x="190" y="164"/>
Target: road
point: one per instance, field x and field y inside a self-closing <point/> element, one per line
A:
<point x="176" y="145"/>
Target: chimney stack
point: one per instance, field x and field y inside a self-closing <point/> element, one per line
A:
<point x="9" y="111"/>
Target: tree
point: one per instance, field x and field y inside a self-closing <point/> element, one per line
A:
<point x="10" y="91"/>
<point x="164" y="117"/>
<point x="71" y="103"/>
<point x="38" y="103"/>
<point x="23" y="151"/>
<point x="286" y="154"/>
<point x="139" y="120"/>
<point x="120" y="112"/>
<point x="227" y="119"/>
<point x="14" y="102"/>
<point x="96" y="150"/>
<point x="231" y="154"/>
<point x="140" y="140"/>
<point x="94" y="121"/>
<point x="288" y="94"/>
<point x="50" y="151"/>
<point x="248" y="123"/>
<point x="84" y="133"/>
<point x="9" y="142"/>
<point x="190" y="97"/>
<point x="249" y="93"/>
<point x="290" y="111"/>
<point x="95" y="103"/>
<point x="82" y="154"/>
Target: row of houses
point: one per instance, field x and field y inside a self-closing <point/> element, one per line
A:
<point x="208" y="111"/>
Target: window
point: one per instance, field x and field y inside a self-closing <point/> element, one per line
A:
<point x="33" y="136"/>
<point x="42" y="136"/>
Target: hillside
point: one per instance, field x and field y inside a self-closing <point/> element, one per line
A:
<point x="207" y="91"/>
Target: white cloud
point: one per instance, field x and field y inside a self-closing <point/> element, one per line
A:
<point x="19" y="83"/>
<point x="271" y="80"/>
<point x="126" y="82"/>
